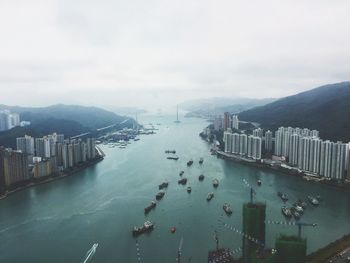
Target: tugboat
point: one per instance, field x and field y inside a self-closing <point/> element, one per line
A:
<point x="173" y="158"/>
<point x="160" y="195"/>
<point x="181" y="173"/>
<point x="215" y="183"/>
<point x="189" y="189"/>
<point x="150" y="207"/>
<point x="259" y="182"/>
<point x="190" y="162"/>
<point x="210" y="196"/>
<point x="147" y="227"/>
<point x="227" y="209"/>
<point x="182" y="181"/>
<point x="201" y="177"/>
<point x="283" y="196"/>
<point x="163" y="185"/>
<point x="201" y="160"/>
<point x="313" y="200"/>
<point x="286" y="212"/>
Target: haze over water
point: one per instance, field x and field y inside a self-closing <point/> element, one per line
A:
<point x="60" y="221"/>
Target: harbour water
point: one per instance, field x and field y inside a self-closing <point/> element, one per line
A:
<point x="60" y="221"/>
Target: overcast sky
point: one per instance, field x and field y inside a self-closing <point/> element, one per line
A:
<point x="150" y="53"/>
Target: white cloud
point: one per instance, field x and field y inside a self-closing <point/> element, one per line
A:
<point x="148" y="53"/>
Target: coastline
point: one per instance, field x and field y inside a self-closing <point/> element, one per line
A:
<point x="280" y="170"/>
<point x="50" y="179"/>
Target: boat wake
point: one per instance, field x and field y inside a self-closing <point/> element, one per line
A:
<point x="90" y="253"/>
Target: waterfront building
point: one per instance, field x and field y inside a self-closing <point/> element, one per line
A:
<point x="235" y="143"/>
<point x="293" y="149"/>
<point x="278" y="141"/>
<point x="243" y="144"/>
<point x="227" y="141"/>
<point x="250" y="146"/>
<point x="45" y="167"/>
<point x="91" y="148"/>
<point x="268" y="141"/>
<point x="15" y="166"/>
<point x="227" y="120"/>
<point x="257" y="142"/>
<point x="258" y="132"/>
<point x="25" y="144"/>
<point x="76" y="153"/>
<point x="65" y="157"/>
<point x="325" y="158"/>
<point x="254" y="215"/>
<point x="315" y="152"/>
<point x="304" y="153"/>
<point x="290" y="249"/>
<point x="218" y="123"/>
<point x="42" y="147"/>
<point x="235" y="122"/>
<point x="339" y="152"/>
<point x="2" y="170"/>
<point x="70" y="155"/>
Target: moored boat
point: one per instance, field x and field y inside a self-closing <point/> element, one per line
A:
<point x="313" y="200"/>
<point x="286" y="212"/>
<point x="163" y="185"/>
<point x="215" y="183"/>
<point x="173" y="158"/>
<point x="181" y="173"/>
<point x="201" y="160"/>
<point x="259" y="182"/>
<point x="182" y="181"/>
<point x="189" y="189"/>
<point x="227" y="209"/>
<point x="160" y="195"/>
<point x="283" y="196"/>
<point x="210" y="196"/>
<point x="150" y="207"/>
<point x="147" y="227"/>
<point x="201" y="177"/>
<point x="190" y="162"/>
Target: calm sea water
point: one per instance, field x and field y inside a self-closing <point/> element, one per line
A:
<point x="60" y="221"/>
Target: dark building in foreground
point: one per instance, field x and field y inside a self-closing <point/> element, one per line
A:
<point x="254" y="230"/>
<point x="290" y="249"/>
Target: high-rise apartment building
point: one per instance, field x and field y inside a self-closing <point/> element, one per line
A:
<point x="15" y="166"/>
<point x="268" y="141"/>
<point x="227" y="120"/>
<point x="235" y="122"/>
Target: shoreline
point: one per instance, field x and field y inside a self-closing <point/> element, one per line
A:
<point x="280" y="170"/>
<point x="62" y="175"/>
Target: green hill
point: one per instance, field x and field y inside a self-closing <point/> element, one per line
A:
<point x="326" y="108"/>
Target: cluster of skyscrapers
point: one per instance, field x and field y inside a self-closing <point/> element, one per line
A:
<point x="300" y="148"/>
<point x="42" y="157"/>
<point x="304" y="149"/>
<point x="8" y="120"/>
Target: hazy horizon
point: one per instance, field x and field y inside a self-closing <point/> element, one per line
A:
<point x="154" y="54"/>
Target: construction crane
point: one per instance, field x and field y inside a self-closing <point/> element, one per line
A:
<point x="178" y="258"/>
<point x="252" y="191"/>
<point x="293" y="223"/>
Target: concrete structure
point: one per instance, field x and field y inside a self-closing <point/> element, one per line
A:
<point x="290" y="249"/>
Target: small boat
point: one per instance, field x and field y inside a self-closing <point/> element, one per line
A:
<point x="201" y="160"/>
<point x="313" y="200"/>
<point x="160" y="195"/>
<point x="189" y="189"/>
<point x="173" y="230"/>
<point x="163" y="185"/>
<point x="147" y="227"/>
<point x="173" y="158"/>
<point x="227" y="209"/>
<point x="302" y="203"/>
<point x="210" y="196"/>
<point x="299" y="209"/>
<point x="136" y="139"/>
<point x="170" y="151"/>
<point x="150" y="207"/>
<point x="286" y="212"/>
<point x="182" y="181"/>
<point x="259" y="182"/>
<point x="215" y="183"/>
<point x="296" y="214"/>
<point x="181" y="173"/>
<point x="283" y="196"/>
<point x="201" y="177"/>
<point x="190" y="162"/>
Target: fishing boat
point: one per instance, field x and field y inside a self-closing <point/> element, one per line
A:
<point x="182" y="181"/>
<point x="227" y="209"/>
<point x="147" y="227"/>
<point x="201" y="177"/>
<point x="215" y="183"/>
<point x="210" y="196"/>
<point x="160" y="195"/>
<point x="189" y="189"/>
<point x="150" y="207"/>
<point x="201" y="160"/>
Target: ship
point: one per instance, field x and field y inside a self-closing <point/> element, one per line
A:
<point x="189" y="189"/>
<point x="150" y="207"/>
<point x="227" y="209"/>
<point x="173" y="158"/>
<point x="201" y="160"/>
<point x="147" y="227"/>
<point x="163" y="185"/>
<point x="295" y="213"/>
<point x="215" y="183"/>
<point x="181" y="173"/>
<point x="170" y="151"/>
<point x="259" y="182"/>
<point x="201" y="177"/>
<point x="298" y="208"/>
<point x="313" y="200"/>
<point x="210" y="196"/>
<point x="182" y="181"/>
<point x="283" y="196"/>
<point x="286" y="212"/>
<point x="190" y="162"/>
<point x="160" y="195"/>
